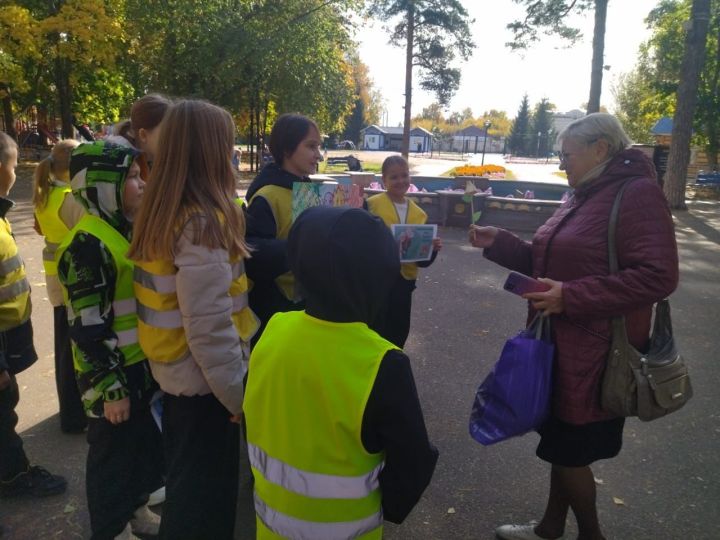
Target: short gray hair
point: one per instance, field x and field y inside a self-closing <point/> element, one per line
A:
<point x="596" y="126"/>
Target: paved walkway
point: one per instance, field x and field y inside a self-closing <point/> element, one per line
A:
<point x="664" y="485"/>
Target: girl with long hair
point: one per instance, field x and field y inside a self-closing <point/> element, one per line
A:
<point x="194" y="319"/>
<point x="295" y="146"/>
<point x="141" y="130"/>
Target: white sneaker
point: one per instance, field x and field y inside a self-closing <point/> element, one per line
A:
<point x="157" y="497"/>
<point x="518" y="532"/>
<point x="126" y="534"/>
<point x="145" y="522"/>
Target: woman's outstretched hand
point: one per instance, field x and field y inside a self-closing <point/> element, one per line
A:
<point x="482" y="237"/>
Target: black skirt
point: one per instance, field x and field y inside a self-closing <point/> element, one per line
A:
<point x="570" y="445"/>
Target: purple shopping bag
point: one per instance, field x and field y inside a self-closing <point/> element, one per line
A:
<point x="515" y="396"/>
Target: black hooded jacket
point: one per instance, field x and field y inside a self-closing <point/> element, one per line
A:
<point x="269" y="258"/>
<point x="346" y="262"/>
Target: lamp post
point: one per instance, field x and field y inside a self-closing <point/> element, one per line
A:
<point x="538" y="148"/>
<point x="487" y="125"/>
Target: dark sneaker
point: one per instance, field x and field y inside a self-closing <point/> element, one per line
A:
<point x="36" y="481"/>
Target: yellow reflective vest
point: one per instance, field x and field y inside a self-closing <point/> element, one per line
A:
<point x="280" y="201"/>
<point x="310" y="381"/>
<point x="124" y="306"/>
<point x="382" y="206"/>
<point x="15" y="304"/>
<point x="160" y="327"/>
<point x="52" y="227"/>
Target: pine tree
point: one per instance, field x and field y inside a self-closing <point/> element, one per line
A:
<point x="541" y="128"/>
<point x="519" y="135"/>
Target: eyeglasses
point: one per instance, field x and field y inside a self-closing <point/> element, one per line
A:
<point x="563" y="156"/>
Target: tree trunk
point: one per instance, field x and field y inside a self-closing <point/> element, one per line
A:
<point x="258" y="134"/>
<point x="693" y="57"/>
<point x="713" y="127"/>
<point x="405" y="149"/>
<point x="7" y="110"/>
<point x="62" y="82"/>
<point x="251" y="137"/>
<point x="596" y="73"/>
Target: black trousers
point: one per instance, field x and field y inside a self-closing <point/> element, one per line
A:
<point x="12" y="456"/>
<point x="202" y="456"/>
<point x="124" y="465"/>
<point x="394" y="322"/>
<point x="72" y="414"/>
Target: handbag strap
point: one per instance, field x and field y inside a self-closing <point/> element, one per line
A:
<point x="662" y="308"/>
<point x="618" y="323"/>
<point x="612" y="226"/>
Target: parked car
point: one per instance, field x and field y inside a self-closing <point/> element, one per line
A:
<point x="346" y="145"/>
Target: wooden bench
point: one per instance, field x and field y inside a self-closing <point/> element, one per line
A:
<point x="351" y="162"/>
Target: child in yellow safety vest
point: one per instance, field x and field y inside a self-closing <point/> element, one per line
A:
<point x="17" y="352"/>
<point x="395" y="209"/>
<point x="336" y="436"/>
<point x="56" y="212"/>
<point x="124" y="463"/>
<point x="194" y="321"/>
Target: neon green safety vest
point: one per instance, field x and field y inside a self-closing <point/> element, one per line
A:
<point x="124" y="306"/>
<point x="307" y="390"/>
<point x="382" y="206"/>
<point x="52" y="227"/>
<point x="160" y="328"/>
<point x="15" y="304"/>
<point x="280" y="201"/>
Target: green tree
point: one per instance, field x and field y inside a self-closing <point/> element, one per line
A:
<point x="542" y="129"/>
<point x="73" y="42"/>
<point x="250" y="56"/>
<point x="433" y="32"/>
<point x="549" y="16"/>
<point x="650" y="90"/>
<point x="500" y="124"/>
<point x="364" y="111"/>
<point x="520" y="133"/>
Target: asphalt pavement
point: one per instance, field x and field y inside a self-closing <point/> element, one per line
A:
<point x="664" y="485"/>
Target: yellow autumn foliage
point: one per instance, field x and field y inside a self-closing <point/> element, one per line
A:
<point x="478" y="170"/>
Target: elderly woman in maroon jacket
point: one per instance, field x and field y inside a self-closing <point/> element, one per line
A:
<point x="570" y="253"/>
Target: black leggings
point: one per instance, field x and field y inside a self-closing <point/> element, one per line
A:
<point x="202" y="458"/>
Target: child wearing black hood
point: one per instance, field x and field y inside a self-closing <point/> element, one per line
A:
<point x="346" y="420"/>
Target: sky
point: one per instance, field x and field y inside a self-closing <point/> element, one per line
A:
<point x="496" y="77"/>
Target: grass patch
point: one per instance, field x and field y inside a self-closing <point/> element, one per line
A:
<point x="324" y="168"/>
<point x="509" y="175"/>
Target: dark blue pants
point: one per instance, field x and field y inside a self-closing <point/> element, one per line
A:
<point x="12" y="456"/>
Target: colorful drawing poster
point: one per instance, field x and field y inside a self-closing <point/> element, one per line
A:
<point x="309" y="194"/>
<point x="414" y="241"/>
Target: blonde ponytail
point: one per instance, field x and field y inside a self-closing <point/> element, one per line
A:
<point x="57" y="164"/>
<point x="41" y="183"/>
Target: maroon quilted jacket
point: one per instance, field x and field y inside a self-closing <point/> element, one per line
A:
<point x="572" y="247"/>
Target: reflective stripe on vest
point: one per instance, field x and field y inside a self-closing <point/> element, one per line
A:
<point x="313" y="476"/>
<point x="160" y="327"/>
<point x="320" y="486"/>
<point x="125" y="318"/>
<point x="15" y="304"/>
<point x="279" y="200"/>
<point x="382" y="206"/>
<point x="10" y="265"/>
<point x="14" y="289"/>
<point x="52" y="227"/>
<point x="299" y="529"/>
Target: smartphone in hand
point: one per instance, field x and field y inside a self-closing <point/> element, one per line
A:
<point x="520" y="284"/>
